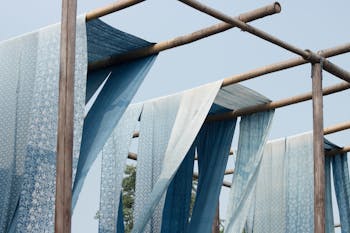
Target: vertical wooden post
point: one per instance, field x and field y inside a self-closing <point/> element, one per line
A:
<point x="65" y="118"/>
<point x="318" y="144"/>
<point x="216" y="223"/>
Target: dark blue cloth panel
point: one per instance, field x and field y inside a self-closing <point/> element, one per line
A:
<point x="178" y="198"/>
<point x="214" y="142"/>
<point x="120" y="221"/>
<point x="104" y="41"/>
<point x="342" y="189"/>
<point x="116" y="94"/>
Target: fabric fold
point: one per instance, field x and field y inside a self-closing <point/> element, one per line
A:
<point x="214" y="143"/>
<point x="254" y="130"/>
<point x="114" y="155"/>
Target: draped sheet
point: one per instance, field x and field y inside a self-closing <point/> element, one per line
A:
<point x="156" y="123"/>
<point x="178" y="197"/>
<point x="214" y="143"/>
<point x="28" y="141"/>
<point x="29" y="72"/>
<point x="193" y="108"/>
<point x="284" y="199"/>
<point x="121" y="85"/>
<point x="114" y="155"/>
<point x="254" y="130"/>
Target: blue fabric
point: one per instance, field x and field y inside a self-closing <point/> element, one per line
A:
<point x="120" y="219"/>
<point x="156" y="123"/>
<point x="178" y="197"/>
<point x="122" y="84"/>
<point x="32" y="140"/>
<point x="114" y="155"/>
<point x="342" y="189"/>
<point x="194" y="107"/>
<point x="214" y="142"/>
<point x="254" y="130"/>
<point x="284" y="196"/>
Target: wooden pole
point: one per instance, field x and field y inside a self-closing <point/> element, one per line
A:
<point x="306" y="54"/>
<point x="65" y="118"/>
<point x="113" y="7"/>
<point x="318" y="145"/>
<point x="330" y="52"/>
<point x="186" y="39"/>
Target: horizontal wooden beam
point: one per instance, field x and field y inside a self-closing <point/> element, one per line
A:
<point x="185" y="39"/>
<point x="330" y="52"/>
<point x="113" y="7"/>
<point x="277" y="104"/>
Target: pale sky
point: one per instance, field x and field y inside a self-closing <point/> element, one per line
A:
<point x="313" y="24"/>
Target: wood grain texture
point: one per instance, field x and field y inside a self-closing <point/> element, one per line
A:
<point x="318" y="146"/>
<point x="65" y="118"/>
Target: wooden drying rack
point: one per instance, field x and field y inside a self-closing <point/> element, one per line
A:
<point x="318" y="60"/>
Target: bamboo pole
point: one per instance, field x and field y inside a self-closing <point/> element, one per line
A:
<point x="318" y="145"/>
<point x="330" y="52"/>
<point x="65" y="130"/>
<point x="306" y="54"/>
<point x="277" y="104"/>
<point x="113" y="7"/>
<point x="186" y="39"/>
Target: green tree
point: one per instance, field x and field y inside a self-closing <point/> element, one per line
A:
<point x="129" y="197"/>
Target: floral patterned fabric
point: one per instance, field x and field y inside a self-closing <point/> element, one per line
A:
<point x="30" y="74"/>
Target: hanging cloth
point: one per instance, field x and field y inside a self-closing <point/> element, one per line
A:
<point x="32" y="129"/>
<point x="119" y="88"/>
<point x="114" y="155"/>
<point x="214" y="143"/>
<point x="342" y="189"/>
<point x="254" y="130"/>
<point x="284" y="197"/>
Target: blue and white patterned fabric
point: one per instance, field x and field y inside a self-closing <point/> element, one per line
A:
<point x="114" y="155"/>
<point x="254" y="130"/>
<point x="119" y="88"/>
<point x="29" y="74"/>
<point x="284" y="196"/>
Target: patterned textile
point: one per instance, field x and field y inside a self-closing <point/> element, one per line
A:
<point x="284" y="197"/>
<point x="30" y="66"/>
<point x="254" y="130"/>
<point x="121" y="85"/>
<point x="114" y="155"/>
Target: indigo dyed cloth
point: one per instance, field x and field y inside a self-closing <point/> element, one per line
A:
<point x="214" y="143"/>
<point x="114" y="155"/>
<point x="193" y="108"/>
<point x="29" y="75"/>
<point x="176" y="210"/>
<point x="157" y="120"/>
<point x="284" y="197"/>
<point x="342" y="189"/>
<point x="254" y="130"/>
<point x="121" y="85"/>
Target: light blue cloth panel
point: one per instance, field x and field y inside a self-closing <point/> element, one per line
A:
<point x="178" y="197"/>
<point x="122" y="84"/>
<point x="342" y="189"/>
<point x="214" y="142"/>
<point x="194" y="107"/>
<point x="284" y="199"/>
<point x="31" y="133"/>
<point x="114" y="155"/>
<point x="254" y="130"/>
<point x="156" y="124"/>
